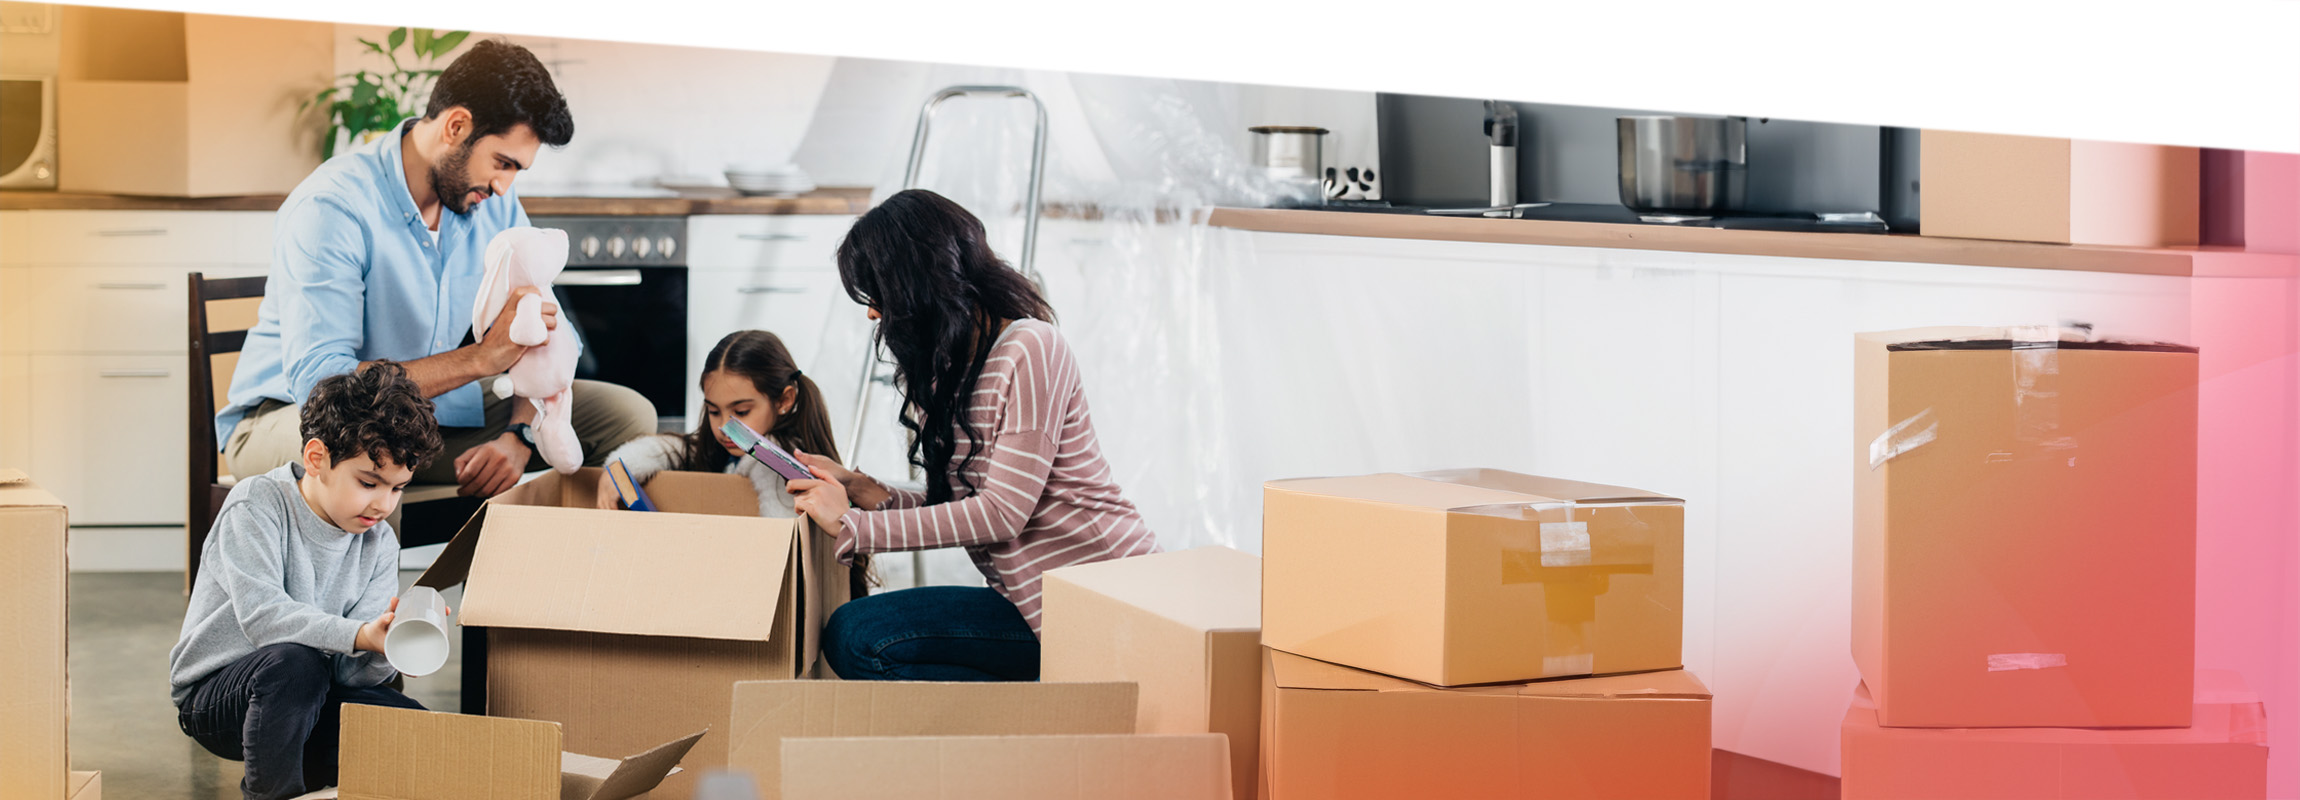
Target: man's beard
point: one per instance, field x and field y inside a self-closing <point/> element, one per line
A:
<point x="451" y="180"/>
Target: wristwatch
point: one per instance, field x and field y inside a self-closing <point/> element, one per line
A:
<point x="525" y="432"/>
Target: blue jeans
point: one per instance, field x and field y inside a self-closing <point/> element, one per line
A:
<point x="931" y="633"/>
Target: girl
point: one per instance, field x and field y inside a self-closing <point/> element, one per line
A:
<point x="999" y="426"/>
<point x="749" y="376"/>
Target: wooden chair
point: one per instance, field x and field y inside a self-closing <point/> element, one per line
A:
<point x="426" y="515"/>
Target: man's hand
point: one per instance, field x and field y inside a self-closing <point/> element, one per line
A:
<point x="497" y="352"/>
<point x="370" y="638"/>
<point x="491" y="468"/>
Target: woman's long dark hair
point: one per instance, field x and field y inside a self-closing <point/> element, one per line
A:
<point x="923" y="263"/>
<point x="760" y="357"/>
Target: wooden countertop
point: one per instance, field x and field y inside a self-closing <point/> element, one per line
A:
<point x="826" y="200"/>
<point x="1842" y="246"/>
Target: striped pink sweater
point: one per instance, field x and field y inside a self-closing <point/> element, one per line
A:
<point x="1045" y="497"/>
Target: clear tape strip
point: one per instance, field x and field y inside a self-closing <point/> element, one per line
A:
<point x="1564" y="544"/>
<point x="1906" y="435"/>
<point x="2006" y="662"/>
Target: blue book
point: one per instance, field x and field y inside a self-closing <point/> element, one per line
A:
<point x="633" y="497"/>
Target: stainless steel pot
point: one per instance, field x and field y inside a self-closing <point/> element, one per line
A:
<point x="1290" y="152"/>
<point x="1695" y="165"/>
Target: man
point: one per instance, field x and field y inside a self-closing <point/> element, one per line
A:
<point x="379" y="254"/>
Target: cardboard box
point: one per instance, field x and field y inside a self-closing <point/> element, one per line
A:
<point x="2224" y="755"/>
<point x="630" y="627"/>
<point x="1186" y="626"/>
<point x="2252" y="200"/>
<point x="409" y="754"/>
<point x="168" y="103"/>
<point x="34" y="696"/>
<point x="1473" y="576"/>
<point x="1118" y="767"/>
<point x="2033" y="189"/>
<point x="767" y="713"/>
<point x="1330" y="731"/>
<point x="84" y="786"/>
<point x="2024" y="529"/>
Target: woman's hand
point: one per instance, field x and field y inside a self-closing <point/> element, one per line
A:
<point x="863" y="491"/>
<point x="825" y="501"/>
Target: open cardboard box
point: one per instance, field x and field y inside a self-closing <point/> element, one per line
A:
<point x="34" y="695"/>
<point x="409" y="754"/>
<point x="1109" y="767"/>
<point x="1473" y="575"/>
<point x="629" y="627"/>
<point x="1185" y="625"/>
<point x="1329" y="731"/>
<point x="767" y="714"/>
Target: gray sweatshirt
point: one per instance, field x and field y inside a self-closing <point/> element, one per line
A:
<point x="273" y="571"/>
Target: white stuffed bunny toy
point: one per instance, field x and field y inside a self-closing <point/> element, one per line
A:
<point x="545" y="376"/>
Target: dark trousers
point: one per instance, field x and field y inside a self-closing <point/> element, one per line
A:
<point x="931" y="633"/>
<point x="279" y="710"/>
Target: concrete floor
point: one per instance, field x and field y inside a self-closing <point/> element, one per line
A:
<point x="122" y="626"/>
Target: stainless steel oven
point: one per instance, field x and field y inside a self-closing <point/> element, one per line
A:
<point x="625" y="291"/>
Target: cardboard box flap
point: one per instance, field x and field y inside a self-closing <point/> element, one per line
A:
<point x="84" y="786"/>
<point x="1672" y="683"/>
<point x="1210" y="588"/>
<point x="1107" y="767"/>
<point x="405" y="754"/>
<point x="678" y="492"/>
<point x="1546" y="488"/>
<point x="1296" y="672"/>
<point x="23" y="493"/>
<point x="10" y="475"/>
<point x="558" y="569"/>
<point x="593" y="778"/>
<point x="453" y="564"/>
<point x="1391" y="488"/>
<point x="767" y="713"/>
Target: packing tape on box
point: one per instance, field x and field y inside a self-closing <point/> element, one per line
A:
<point x="2006" y="662"/>
<point x="1906" y="435"/>
<point x="2036" y="399"/>
<point x="1571" y="551"/>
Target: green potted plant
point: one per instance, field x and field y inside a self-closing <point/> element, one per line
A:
<point x="363" y="104"/>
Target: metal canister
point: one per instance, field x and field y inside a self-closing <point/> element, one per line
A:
<point x="1290" y="152"/>
<point x="1684" y="164"/>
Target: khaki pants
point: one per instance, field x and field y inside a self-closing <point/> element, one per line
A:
<point x="606" y="416"/>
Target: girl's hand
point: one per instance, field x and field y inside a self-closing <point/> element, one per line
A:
<point x="862" y="490"/>
<point x="608" y="499"/>
<point x="825" y="501"/>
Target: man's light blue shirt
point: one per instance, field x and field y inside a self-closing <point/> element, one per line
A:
<point x="355" y="277"/>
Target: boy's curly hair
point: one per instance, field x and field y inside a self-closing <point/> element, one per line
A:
<point x="376" y="411"/>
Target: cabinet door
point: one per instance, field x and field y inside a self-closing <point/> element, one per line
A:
<point x="107" y="436"/>
<point x="793" y="304"/>
<point x="99" y="309"/>
<point x="134" y="237"/>
<point x="776" y="242"/>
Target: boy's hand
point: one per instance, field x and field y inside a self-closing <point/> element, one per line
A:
<point x="370" y="638"/>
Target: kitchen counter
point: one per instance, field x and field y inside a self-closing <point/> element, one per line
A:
<point x="1839" y="246"/>
<point x="826" y="200"/>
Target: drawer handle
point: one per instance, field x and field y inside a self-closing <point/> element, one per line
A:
<point x="771" y="237"/>
<point x="131" y="285"/>
<point x="134" y="373"/>
<point x="598" y="277"/>
<point x="761" y="289"/>
<point x="133" y="232"/>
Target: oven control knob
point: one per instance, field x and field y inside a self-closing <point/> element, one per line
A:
<point x="615" y="247"/>
<point x="667" y="246"/>
<point x="590" y="247"/>
<point x="641" y="247"/>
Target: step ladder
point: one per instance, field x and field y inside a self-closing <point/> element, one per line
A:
<point x="869" y="373"/>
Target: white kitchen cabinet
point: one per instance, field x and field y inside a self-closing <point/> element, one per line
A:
<point x="93" y="349"/>
<point x="135" y="237"/>
<point x="108" y="436"/>
<point x="793" y="241"/>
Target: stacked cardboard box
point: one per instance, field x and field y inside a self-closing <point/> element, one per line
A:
<point x="1476" y="633"/>
<point x="394" y="753"/>
<point x="630" y="628"/>
<point x="34" y="696"/>
<point x="2025" y="551"/>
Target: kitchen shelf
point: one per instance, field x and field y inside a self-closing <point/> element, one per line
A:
<point x="826" y="200"/>
<point x="2203" y="261"/>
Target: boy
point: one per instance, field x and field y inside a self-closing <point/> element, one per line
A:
<point x="298" y="584"/>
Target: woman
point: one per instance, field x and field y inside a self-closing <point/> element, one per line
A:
<point x="1000" y="428"/>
